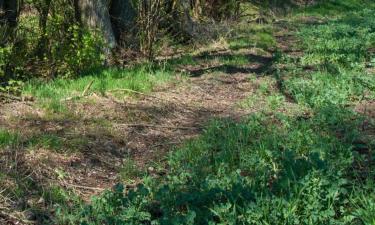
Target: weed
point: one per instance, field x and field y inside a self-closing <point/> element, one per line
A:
<point x="253" y="172"/>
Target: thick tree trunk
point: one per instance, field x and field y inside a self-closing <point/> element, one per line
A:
<point x="187" y="23"/>
<point x="95" y="15"/>
<point x="9" y="11"/>
<point x="123" y="17"/>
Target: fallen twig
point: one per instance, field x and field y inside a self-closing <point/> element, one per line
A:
<point x="84" y="93"/>
<point x="160" y="126"/>
<point x="11" y="97"/>
<point x="87" y="88"/>
<point x="5" y="212"/>
<point x="83" y="187"/>
<point x="70" y="98"/>
<point x="151" y="96"/>
<point x="139" y="93"/>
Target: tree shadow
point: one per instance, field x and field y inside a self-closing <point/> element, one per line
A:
<point x="257" y="64"/>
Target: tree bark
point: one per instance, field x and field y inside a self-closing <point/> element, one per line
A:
<point x="9" y="11"/>
<point x="94" y="14"/>
<point x="187" y="23"/>
<point x="123" y="17"/>
<point x="43" y="9"/>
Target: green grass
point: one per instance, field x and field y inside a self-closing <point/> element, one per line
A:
<point x="8" y="138"/>
<point x="338" y="53"/>
<point x="344" y="42"/>
<point x="334" y="8"/>
<point x="273" y="168"/>
<point x="46" y="141"/>
<point x="259" y="171"/>
<point x="270" y="168"/>
<point x="260" y="39"/>
<point x="139" y="78"/>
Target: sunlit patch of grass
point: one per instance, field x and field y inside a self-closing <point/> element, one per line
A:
<point x="338" y="53"/>
<point x="334" y="8"/>
<point x="252" y="36"/>
<point x="261" y="40"/>
<point x="56" y="143"/>
<point x="275" y="101"/>
<point x="139" y="78"/>
<point x="234" y="60"/>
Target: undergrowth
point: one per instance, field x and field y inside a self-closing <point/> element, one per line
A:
<point x="272" y="168"/>
<point x="339" y="56"/>
<point x="261" y="171"/>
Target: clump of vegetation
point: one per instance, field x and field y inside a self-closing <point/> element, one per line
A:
<point x="302" y="156"/>
<point x="140" y="78"/>
<point x="311" y="168"/>
<point x="259" y="171"/>
<point x="339" y="54"/>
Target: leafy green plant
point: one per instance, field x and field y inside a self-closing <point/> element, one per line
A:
<point x="343" y="42"/>
<point x="287" y="170"/>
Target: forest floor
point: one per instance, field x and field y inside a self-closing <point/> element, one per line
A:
<point x="102" y="139"/>
<point x="142" y="128"/>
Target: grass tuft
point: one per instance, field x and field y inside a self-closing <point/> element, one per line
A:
<point x="8" y="138"/>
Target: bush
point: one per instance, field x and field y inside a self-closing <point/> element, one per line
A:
<point x="60" y="47"/>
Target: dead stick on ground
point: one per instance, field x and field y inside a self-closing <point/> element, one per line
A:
<point x="137" y="92"/>
<point x="151" y="96"/>
<point x="157" y="126"/>
<point x="10" y="97"/>
<point x="84" y="93"/>
<point x="5" y="212"/>
<point x="87" y="88"/>
<point x="83" y="187"/>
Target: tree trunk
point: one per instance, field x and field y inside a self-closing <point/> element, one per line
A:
<point x="9" y="11"/>
<point x="43" y="9"/>
<point x="123" y="17"/>
<point x="187" y="23"/>
<point x="95" y="15"/>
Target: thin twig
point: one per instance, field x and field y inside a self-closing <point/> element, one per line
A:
<point x="160" y="126"/>
<point x="139" y="93"/>
<point x="5" y="212"/>
<point x="87" y="88"/>
<point x="151" y="96"/>
<point x="11" y="97"/>
<point x="84" y="93"/>
<point x="83" y="187"/>
<point x="70" y="98"/>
